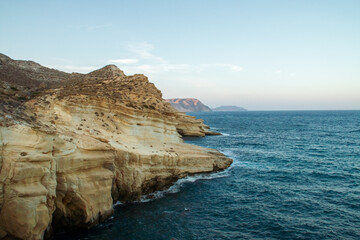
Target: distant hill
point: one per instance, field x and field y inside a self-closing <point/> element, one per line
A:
<point x="229" y="109"/>
<point x="188" y="105"/>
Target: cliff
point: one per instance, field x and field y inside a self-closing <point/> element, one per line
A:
<point x="70" y="150"/>
<point x="188" y="105"/>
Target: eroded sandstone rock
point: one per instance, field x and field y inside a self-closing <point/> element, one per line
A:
<point x="72" y="152"/>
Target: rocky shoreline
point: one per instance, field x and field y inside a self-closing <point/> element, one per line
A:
<point x="72" y="147"/>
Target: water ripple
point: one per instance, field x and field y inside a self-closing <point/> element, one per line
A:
<point x="296" y="175"/>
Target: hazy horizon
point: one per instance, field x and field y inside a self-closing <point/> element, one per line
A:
<point x="260" y="55"/>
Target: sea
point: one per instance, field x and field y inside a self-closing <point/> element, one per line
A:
<point x="295" y="175"/>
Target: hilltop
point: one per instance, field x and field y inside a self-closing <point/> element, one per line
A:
<point x="72" y="145"/>
<point x="188" y="105"/>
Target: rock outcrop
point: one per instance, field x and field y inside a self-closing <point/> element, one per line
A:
<point x="188" y="105"/>
<point x="69" y="152"/>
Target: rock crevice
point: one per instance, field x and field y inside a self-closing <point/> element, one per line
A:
<point x="71" y="151"/>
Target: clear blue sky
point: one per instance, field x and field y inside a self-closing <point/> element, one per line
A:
<point x="262" y="55"/>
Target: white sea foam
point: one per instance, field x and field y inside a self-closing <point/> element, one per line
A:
<point x="176" y="187"/>
<point x="229" y="153"/>
<point x="118" y="203"/>
<point x="225" y="134"/>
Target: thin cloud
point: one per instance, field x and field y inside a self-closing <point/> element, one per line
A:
<point x="166" y="67"/>
<point x="156" y="68"/>
<point x="233" y="67"/>
<point x="144" y="51"/>
<point x="124" y="61"/>
<point x="151" y="63"/>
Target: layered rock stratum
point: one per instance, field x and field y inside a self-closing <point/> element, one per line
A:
<point x="188" y="105"/>
<point x="72" y="145"/>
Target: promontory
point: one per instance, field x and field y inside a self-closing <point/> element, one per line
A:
<point x="72" y="145"/>
<point x="188" y="105"/>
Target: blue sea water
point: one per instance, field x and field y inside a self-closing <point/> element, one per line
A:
<point x="296" y="175"/>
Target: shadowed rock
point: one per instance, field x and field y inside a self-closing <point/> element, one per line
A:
<point x="68" y="153"/>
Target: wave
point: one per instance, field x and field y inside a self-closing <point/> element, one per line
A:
<point x="357" y="130"/>
<point x="230" y="154"/>
<point x="249" y="144"/>
<point x="225" y="134"/>
<point x="176" y="187"/>
<point x="117" y="203"/>
<point x="243" y="136"/>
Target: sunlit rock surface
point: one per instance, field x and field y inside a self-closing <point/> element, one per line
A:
<point x="68" y="152"/>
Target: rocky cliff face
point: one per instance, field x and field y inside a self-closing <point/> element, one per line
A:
<point x="67" y="154"/>
<point x="188" y="105"/>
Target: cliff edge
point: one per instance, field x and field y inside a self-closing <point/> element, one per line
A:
<point x="73" y="147"/>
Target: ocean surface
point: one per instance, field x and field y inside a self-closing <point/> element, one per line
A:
<point x="296" y="175"/>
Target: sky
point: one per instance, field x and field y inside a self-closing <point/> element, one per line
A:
<point x="257" y="54"/>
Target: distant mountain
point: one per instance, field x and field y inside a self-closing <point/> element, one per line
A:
<point x="229" y="109"/>
<point x="188" y="105"/>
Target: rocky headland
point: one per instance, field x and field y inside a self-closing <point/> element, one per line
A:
<point x="72" y="145"/>
<point x="188" y="105"/>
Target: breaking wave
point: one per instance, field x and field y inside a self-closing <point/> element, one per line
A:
<point x="179" y="184"/>
<point x="225" y="134"/>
